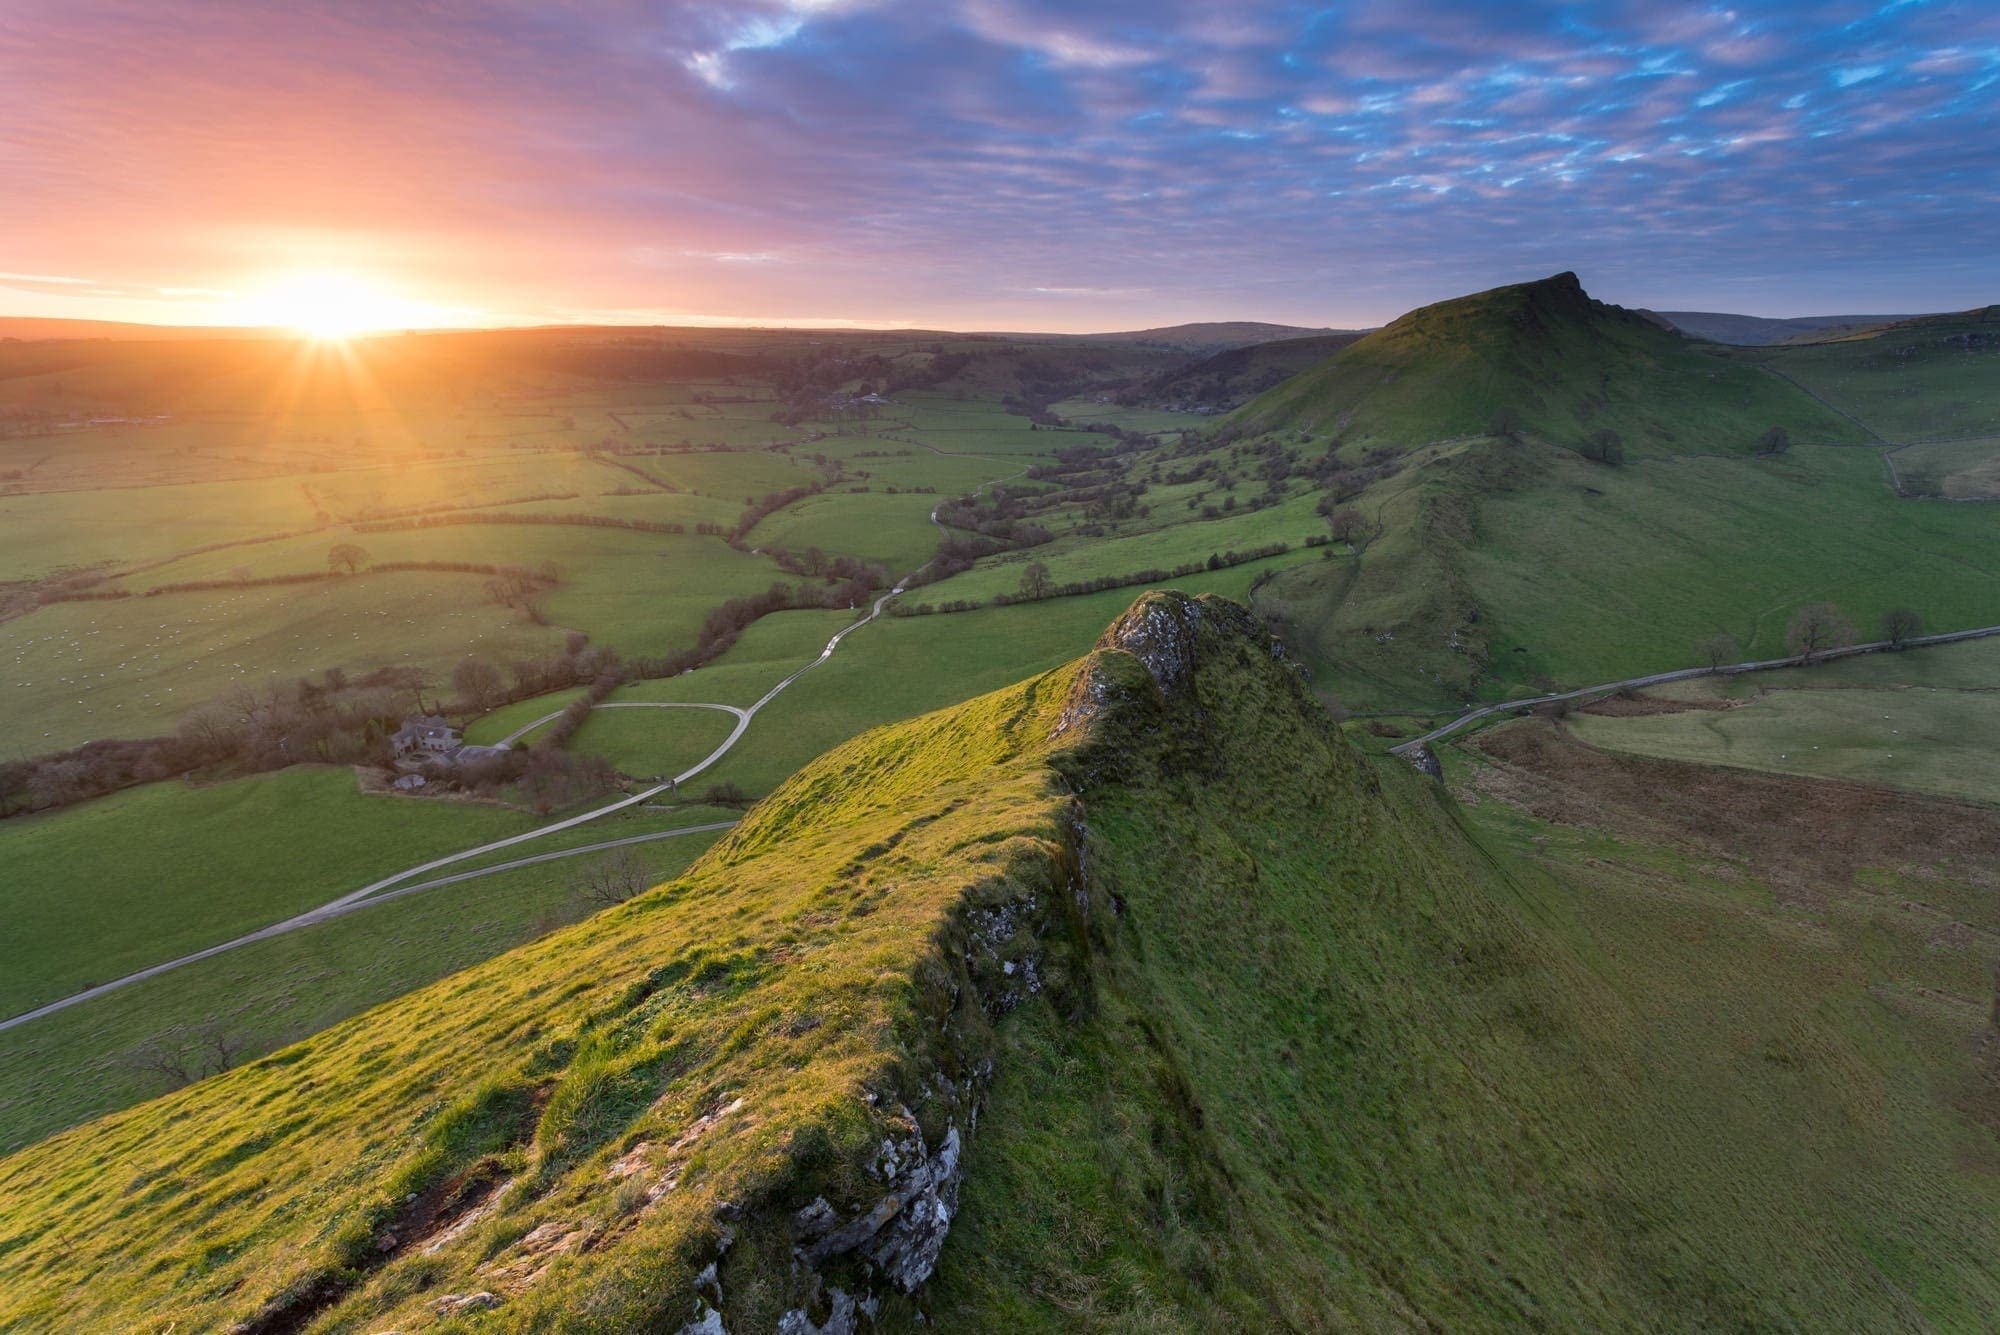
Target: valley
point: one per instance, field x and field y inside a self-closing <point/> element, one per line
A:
<point x="809" y="635"/>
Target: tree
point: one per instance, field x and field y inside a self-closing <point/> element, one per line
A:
<point x="1604" y="446"/>
<point x="345" y="555"/>
<point x="724" y="795"/>
<point x="1719" y="649"/>
<point x="1505" y="422"/>
<point x="1346" y="523"/>
<point x="613" y="879"/>
<point x="1774" y="441"/>
<point x="1036" y="583"/>
<point x="479" y="681"/>
<point x="1900" y="625"/>
<point x="1817" y="628"/>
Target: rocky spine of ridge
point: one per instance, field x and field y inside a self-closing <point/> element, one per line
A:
<point x="1134" y="705"/>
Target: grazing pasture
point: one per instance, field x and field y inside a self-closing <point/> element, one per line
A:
<point x="132" y="667"/>
<point x="88" y="1060"/>
<point x="110" y="886"/>
<point x="1927" y="721"/>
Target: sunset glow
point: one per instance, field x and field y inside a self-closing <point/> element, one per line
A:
<point x="1018" y="164"/>
<point x="332" y="306"/>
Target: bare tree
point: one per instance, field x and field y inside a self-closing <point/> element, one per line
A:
<point x="186" y="1053"/>
<point x="161" y="1058"/>
<point x="1901" y="625"/>
<point x="1036" y="582"/>
<point x="613" y="879"/>
<point x="1346" y="524"/>
<point x="479" y="681"/>
<point x="347" y="556"/>
<point x="1817" y="628"/>
<point x="1719" y="649"/>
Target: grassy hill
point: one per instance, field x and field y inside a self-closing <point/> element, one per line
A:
<point x="1129" y="996"/>
<point x="1933" y="377"/>
<point x="1561" y="363"/>
<point x="1758" y="330"/>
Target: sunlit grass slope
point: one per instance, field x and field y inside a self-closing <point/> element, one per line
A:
<point x="1563" y="364"/>
<point x="1256" y="1033"/>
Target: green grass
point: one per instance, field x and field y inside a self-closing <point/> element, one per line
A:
<point x="1085" y="412"/>
<point x="1539" y="565"/>
<point x="1627" y="581"/>
<point x="882" y="463"/>
<point x="698" y="968"/>
<point x="903" y="666"/>
<point x="488" y="729"/>
<point x="1913" y="381"/>
<point x="1169" y="538"/>
<point x="653" y="743"/>
<point x="107" y="887"/>
<point x="894" y="530"/>
<point x="1301" y="1046"/>
<point x="1927" y="721"/>
<point x="43" y="532"/>
<point x="131" y="667"/>
<point x="1960" y="470"/>
<point x="78" y="1064"/>
<point x="1565" y="365"/>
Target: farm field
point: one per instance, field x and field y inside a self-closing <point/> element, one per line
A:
<point x="108" y="887"/>
<point x="652" y="743"/>
<point x="1076" y="558"/>
<point x="82" y="1062"/>
<point x="895" y="531"/>
<point x="903" y="666"/>
<point x="1919" y="380"/>
<point x="131" y="667"/>
<point x="1084" y="412"/>
<point x="1926" y="721"/>
<point x="1595" y="574"/>
<point x="884" y="463"/>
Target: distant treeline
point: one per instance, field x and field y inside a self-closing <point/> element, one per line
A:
<point x="406" y="511"/>
<point x="1215" y="561"/>
<point x="73" y="594"/>
<point x="722" y="626"/>
<point x="479" y="517"/>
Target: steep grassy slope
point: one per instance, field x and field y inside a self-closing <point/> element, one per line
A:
<point x="1936" y="376"/>
<point x="1128" y="997"/>
<point x="1496" y="565"/>
<point x="1564" y="364"/>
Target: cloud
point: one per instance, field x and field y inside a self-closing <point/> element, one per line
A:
<point x="971" y="161"/>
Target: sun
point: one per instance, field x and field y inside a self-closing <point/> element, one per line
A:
<point x="332" y="306"/>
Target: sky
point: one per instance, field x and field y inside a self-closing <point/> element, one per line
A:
<point x="999" y="164"/>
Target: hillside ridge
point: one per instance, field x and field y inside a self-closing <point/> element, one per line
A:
<point x="1543" y="357"/>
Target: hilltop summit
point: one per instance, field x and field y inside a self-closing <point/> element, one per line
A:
<point x="1548" y="358"/>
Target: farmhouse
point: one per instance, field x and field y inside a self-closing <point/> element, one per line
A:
<point x="424" y="737"/>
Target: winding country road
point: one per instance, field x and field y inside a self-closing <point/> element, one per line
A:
<point x="393" y="887"/>
<point x="339" y="907"/>
<point x="1416" y="744"/>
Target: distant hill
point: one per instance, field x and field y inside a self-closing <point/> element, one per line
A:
<point x="1562" y="364"/>
<point x="1756" y="330"/>
<point x="33" y="329"/>
<point x="1209" y="336"/>
<point x="1234" y="376"/>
